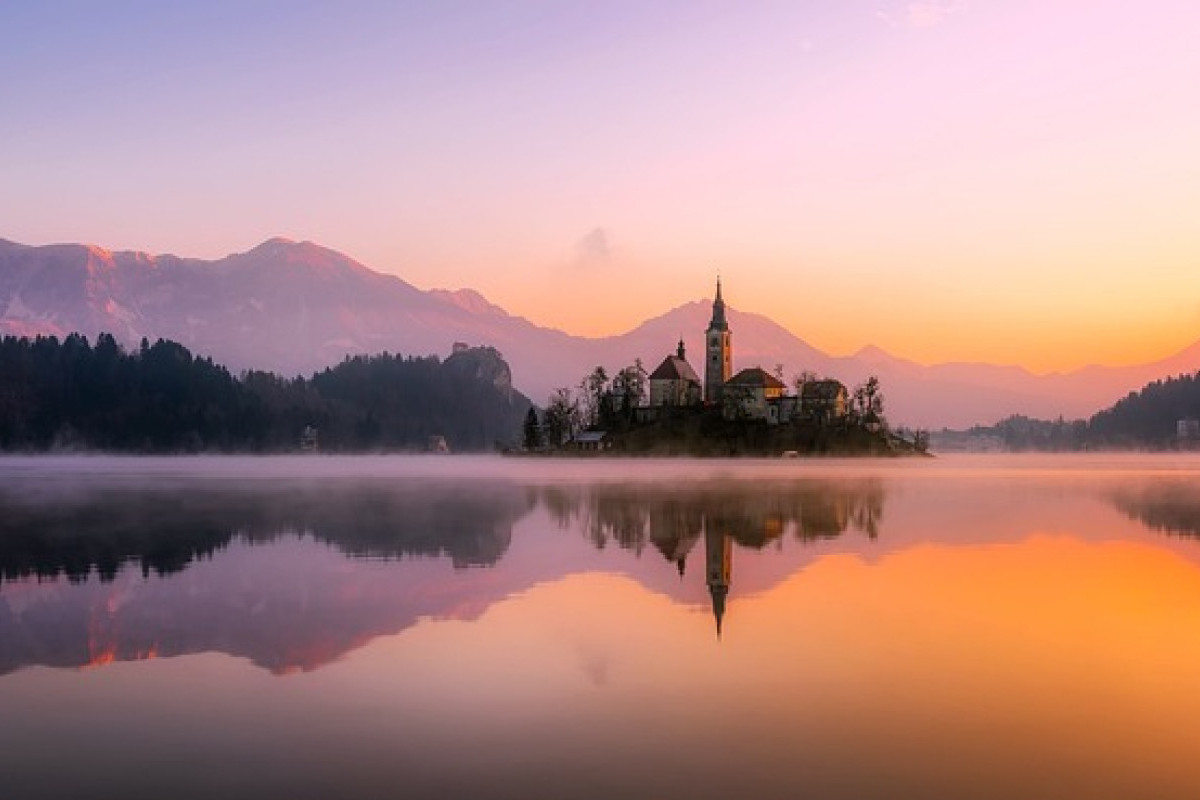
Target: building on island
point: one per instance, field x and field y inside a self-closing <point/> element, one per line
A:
<point x="590" y="441"/>
<point x="718" y="359"/>
<point x="674" y="382"/>
<point x="753" y="393"/>
<point x="824" y="400"/>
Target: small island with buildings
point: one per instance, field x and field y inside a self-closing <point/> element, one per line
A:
<point x="671" y="411"/>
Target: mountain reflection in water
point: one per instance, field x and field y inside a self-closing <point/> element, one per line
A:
<point x="656" y="629"/>
<point x="261" y="588"/>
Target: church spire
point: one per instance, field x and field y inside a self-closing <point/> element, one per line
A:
<point x="718" y="351"/>
<point x="718" y="315"/>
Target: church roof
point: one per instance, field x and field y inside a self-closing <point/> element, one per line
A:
<point x="674" y="368"/>
<point x="756" y="377"/>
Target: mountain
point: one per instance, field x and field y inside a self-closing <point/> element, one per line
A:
<point x="296" y="307"/>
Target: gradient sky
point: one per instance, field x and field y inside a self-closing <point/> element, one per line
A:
<point x="998" y="180"/>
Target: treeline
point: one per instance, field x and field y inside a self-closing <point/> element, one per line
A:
<point x="1147" y="418"/>
<point x="161" y="399"/>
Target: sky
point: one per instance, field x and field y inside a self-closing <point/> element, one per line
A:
<point x="1008" y="181"/>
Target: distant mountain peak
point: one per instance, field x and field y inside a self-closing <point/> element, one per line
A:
<point x="275" y="243"/>
<point x="468" y="300"/>
<point x="309" y="255"/>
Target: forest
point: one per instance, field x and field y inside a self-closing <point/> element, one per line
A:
<point x="70" y="395"/>
<point x="1145" y="419"/>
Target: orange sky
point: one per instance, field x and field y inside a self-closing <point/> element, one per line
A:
<point x="1009" y="182"/>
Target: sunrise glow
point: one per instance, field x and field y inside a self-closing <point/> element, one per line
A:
<point x="946" y="179"/>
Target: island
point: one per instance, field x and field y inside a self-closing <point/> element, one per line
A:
<point x="671" y="412"/>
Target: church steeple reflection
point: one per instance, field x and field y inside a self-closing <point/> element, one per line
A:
<point x="673" y="519"/>
<point x="719" y="567"/>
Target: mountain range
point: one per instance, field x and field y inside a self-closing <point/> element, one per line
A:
<point x="296" y="307"/>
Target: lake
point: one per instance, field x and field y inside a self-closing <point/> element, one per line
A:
<point x="313" y="627"/>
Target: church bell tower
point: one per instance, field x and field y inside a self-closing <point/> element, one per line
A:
<point x="718" y="343"/>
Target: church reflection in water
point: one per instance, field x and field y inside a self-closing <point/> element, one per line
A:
<point x="674" y="519"/>
<point x="292" y="575"/>
<point x="718" y="562"/>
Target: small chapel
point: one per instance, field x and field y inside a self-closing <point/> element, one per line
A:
<point x="752" y="394"/>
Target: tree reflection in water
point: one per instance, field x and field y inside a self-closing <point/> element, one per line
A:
<point x="1166" y="506"/>
<point x="165" y="530"/>
<point x="285" y="610"/>
<point x="674" y="518"/>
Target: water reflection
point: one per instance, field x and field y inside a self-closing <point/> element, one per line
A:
<point x="674" y="518"/>
<point x="73" y="532"/>
<point x="258" y="572"/>
<point x="259" y="569"/>
<point x="236" y="568"/>
<point x="1166" y="506"/>
<point x="974" y="636"/>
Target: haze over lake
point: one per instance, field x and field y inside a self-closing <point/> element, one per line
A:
<point x="967" y="626"/>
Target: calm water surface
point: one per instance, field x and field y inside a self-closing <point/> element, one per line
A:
<point x="458" y="627"/>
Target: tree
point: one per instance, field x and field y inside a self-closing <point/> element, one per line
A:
<point x="873" y="395"/>
<point x="532" y="431"/>
<point x="591" y="399"/>
<point x="867" y="400"/>
<point x="561" y="418"/>
<point x="805" y="376"/>
<point x="629" y="387"/>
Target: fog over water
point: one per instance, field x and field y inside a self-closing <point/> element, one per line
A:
<point x="985" y="626"/>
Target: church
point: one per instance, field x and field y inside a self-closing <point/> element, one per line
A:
<point x="751" y="394"/>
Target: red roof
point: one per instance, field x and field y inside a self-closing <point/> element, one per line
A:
<point x="756" y="377"/>
<point x="674" y="368"/>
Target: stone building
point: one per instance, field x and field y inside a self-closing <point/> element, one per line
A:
<point x="753" y="393"/>
<point x="674" y="382"/>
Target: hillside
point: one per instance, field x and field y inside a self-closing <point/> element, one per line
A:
<point x="1148" y="418"/>
<point x="161" y="399"/>
<point x="295" y="307"/>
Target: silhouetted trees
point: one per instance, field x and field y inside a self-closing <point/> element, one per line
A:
<point x="1149" y="416"/>
<point x="69" y="395"/>
<point x="531" y="435"/>
<point x="1145" y="418"/>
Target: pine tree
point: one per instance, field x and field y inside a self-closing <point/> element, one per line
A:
<point x="533" y="433"/>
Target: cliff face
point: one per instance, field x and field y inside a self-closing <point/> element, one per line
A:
<point x="484" y="365"/>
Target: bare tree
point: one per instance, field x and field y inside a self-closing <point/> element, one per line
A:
<point x="562" y="417"/>
<point x="805" y="376"/>
<point x="629" y="387"/>
<point x="591" y="399"/>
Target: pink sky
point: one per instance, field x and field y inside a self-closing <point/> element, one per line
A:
<point x="1014" y="182"/>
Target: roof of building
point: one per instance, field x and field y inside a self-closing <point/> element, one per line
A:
<point x="589" y="437"/>
<point x="674" y="368"/>
<point x="827" y="389"/>
<point x="756" y="377"/>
